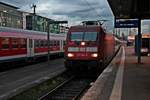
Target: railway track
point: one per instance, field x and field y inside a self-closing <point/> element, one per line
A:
<point x="69" y="90"/>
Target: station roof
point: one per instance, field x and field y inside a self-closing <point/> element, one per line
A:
<point x="130" y="8"/>
<point x="9" y="5"/>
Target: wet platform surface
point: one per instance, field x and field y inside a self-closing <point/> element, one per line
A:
<point x="123" y="79"/>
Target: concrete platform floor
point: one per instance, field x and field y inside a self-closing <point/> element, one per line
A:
<point x="123" y="79"/>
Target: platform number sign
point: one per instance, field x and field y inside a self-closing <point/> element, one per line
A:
<point x="126" y="23"/>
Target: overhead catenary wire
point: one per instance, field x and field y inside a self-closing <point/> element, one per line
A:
<point x="90" y="6"/>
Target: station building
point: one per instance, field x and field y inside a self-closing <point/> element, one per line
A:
<point x="10" y="16"/>
<point x="39" y="23"/>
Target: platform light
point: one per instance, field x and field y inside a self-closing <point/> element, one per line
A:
<point x="94" y="55"/>
<point x="144" y="50"/>
<point x="82" y="43"/>
<point x="70" y="55"/>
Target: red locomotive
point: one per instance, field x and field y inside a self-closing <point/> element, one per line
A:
<point x="18" y="44"/>
<point x="88" y="47"/>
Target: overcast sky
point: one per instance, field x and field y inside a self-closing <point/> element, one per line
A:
<point x="74" y="11"/>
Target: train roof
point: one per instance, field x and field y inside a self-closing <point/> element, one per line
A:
<point x="87" y="27"/>
<point x="6" y="29"/>
<point x="13" y="30"/>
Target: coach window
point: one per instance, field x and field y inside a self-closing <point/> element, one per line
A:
<point x="23" y="43"/>
<point x="45" y="43"/>
<point x="42" y="43"/>
<point x="57" y="43"/>
<point x="36" y="43"/>
<point x="14" y="43"/>
<point x="54" y="43"/>
<point x="5" y="43"/>
<point x="0" y="44"/>
<point x="51" y="43"/>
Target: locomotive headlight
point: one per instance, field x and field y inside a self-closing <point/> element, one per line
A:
<point x="94" y="55"/>
<point x="82" y="43"/>
<point x="70" y="55"/>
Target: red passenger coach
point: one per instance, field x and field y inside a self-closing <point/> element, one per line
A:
<point x="18" y="44"/>
<point x="88" y="47"/>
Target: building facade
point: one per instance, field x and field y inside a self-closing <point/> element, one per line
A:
<point x="39" y="23"/>
<point x="10" y="16"/>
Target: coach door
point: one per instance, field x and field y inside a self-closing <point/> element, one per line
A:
<point x="30" y="47"/>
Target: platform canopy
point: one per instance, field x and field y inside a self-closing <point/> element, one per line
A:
<point x="130" y="8"/>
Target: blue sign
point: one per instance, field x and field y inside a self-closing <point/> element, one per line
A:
<point x="126" y="23"/>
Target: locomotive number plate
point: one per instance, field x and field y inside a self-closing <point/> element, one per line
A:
<point x="82" y="49"/>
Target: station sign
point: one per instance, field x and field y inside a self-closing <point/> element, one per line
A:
<point x="126" y="23"/>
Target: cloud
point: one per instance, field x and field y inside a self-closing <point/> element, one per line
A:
<point x="72" y="10"/>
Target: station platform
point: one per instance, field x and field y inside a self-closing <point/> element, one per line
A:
<point x="123" y="79"/>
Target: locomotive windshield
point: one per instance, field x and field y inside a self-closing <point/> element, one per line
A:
<point x="83" y="36"/>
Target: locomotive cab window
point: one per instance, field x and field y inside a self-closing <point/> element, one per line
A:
<point x="83" y="36"/>
<point x="90" y="36"/>
<point x="76" y="36"/>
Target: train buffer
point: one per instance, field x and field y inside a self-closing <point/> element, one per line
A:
<point x="123" y="79"/>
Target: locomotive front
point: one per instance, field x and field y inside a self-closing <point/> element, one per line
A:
<point x="82" y="48"/>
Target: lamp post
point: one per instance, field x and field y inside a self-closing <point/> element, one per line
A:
<point x="48" y="41"/>
<point x="139" y="41"/>
<point x="48" y="33"/>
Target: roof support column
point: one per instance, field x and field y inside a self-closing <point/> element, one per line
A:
<point x="139" y="41"/>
